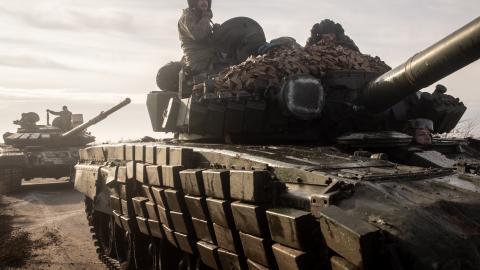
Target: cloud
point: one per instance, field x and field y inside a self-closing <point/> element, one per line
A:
<point x="8" y="95"/>
<point x="30" y="61"/>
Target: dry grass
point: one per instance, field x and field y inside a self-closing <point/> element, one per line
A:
<point x="17" y="245"/>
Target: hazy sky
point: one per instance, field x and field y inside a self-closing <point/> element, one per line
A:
<point x="90" y="54"/>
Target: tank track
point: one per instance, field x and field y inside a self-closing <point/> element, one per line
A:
<point x="222" y="215"/>
<point x="10" y="179"/>
<point x="110" y="262"/>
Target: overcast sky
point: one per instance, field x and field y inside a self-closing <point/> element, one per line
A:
<point x="91" y="54"/>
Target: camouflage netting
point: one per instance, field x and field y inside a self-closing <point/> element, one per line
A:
<point x="266" y="71"/>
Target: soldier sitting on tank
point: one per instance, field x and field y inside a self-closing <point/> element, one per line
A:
<point x="195" y="30"/>
<point x="28" y="121"/>
<point x="64" y="119"/>
<point x="421" y="130"/>
<point x="329" y="30"/>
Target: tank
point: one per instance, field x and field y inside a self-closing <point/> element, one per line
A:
<point x="44" y="151"/>
<point x="321" y="172"/>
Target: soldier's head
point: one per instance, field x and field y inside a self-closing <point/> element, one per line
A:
<point x="328" y="28"/>
<point x="65" y="108"/>
<point x="203" y="5"/>
<point x="421" y="130"/>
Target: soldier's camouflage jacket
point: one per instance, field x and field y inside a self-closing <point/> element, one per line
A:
<point x="196" y="36"/>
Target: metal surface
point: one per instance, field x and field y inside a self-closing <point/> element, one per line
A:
<point x="421" y="70"/>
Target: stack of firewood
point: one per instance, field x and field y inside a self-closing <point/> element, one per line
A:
<point x="267" y="71"/>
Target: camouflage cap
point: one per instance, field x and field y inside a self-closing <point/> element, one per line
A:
<point x="420" y="123"/>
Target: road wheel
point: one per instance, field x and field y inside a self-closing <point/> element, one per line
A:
<point x="106" y="235"/>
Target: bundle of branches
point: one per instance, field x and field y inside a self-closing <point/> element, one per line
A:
<point x="267" y="71"/>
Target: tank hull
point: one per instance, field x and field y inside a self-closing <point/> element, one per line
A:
<point x="282" y="207"/>
<point x="25" y="164"/>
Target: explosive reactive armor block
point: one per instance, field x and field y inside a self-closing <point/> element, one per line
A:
<point x="290" y="227"/>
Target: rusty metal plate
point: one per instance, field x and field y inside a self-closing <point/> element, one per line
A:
<point x="181" y="157"/>
<point x="164" y="216"/>
<point x="139" y="152"/>
<point x="129" y="152"/>
<point x="291" y="227"/>
<point x="180" y="223"/>
<point x="117" y="217"/>
<point x="186" y="243"/>
<point x="255" y="266"/>
<point x="257" y="249"/>
<point x="131" y="170"/>
<point x="250" y="186"/>
<point x="197" y="207"/>
<point x="220" y="212"/>
<point x="230" y="260"/>
<point x="227" y="239"/>
<point x="143" y="225"/>
<point x="127" y="223"/>
<point x="250" y="219"/>
<point x="160" y="198"/>
<point x="170" y="235"/>
<point x="141" y="173"/>
<point x="156" y="229"/>
<point x="192" y="182"/>
<point x="209" y="254"/>
<point x="162" y="155"/>
<point x="96" y="153"/>
<point x="152" y="210"/>
<point x="115" y="203"/>
<point x="216" y="183"/>
<point x="115" y="152"/>
<point x="175" y="200"/>
<point x="290" y="259"/>
<point x="171" y="176"/>
<point x="147" y="192"/>
<point x="352" y="238"/>
<point x="204" y="230"/>
<point x="150" y="154"/>
<point x="122" y="174"/>
<point x="86" y="177"/>
<point x="127" y="208"/>
<point x="154" y="175"/>
<point x="139" y="206"/>
<point x="82" y="154"/>
<point x="339" y="263"/>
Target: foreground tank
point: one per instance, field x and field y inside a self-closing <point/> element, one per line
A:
<point x="321" y="186"/>
<point x="43" y="151"/>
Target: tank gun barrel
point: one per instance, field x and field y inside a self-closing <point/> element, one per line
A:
<point x="424" y="68"/>
<point x="96" y="119"/>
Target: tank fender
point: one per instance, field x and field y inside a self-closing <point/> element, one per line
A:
<point x="86" y="178"/>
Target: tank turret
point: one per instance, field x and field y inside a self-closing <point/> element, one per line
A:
<point x="30" y="134"/>
<point x="318" y="107"/>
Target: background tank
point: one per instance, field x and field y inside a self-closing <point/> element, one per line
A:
<point x="43" y="150"/>
<point x="329" y="180"/>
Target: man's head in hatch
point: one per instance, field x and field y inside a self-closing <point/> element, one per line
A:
<point x="203" y="5"/>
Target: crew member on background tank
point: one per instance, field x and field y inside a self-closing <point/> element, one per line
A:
<point x="195" y="30"/>
<point x="64" y="119"/>
<point x="329" y="30"/>
<point x="28" y="121"/>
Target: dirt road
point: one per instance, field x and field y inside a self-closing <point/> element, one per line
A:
<point x="53" y="215"/>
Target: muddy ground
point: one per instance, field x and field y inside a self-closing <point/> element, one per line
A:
<point x="44" y="227"/>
